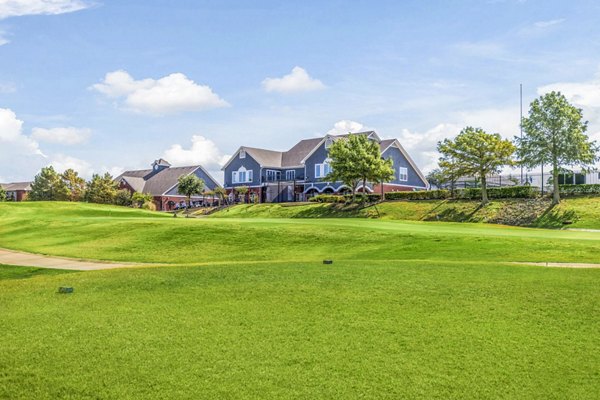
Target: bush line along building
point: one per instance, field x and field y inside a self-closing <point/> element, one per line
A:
<point x="296" y="174"/>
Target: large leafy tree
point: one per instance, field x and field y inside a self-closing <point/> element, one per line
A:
<point x="190" y="185"/>
<point x="554" y="134"/>
<point x="356" y="159"/>
<point x="74" y="183"/>
<point x="101" y="189"/>
<point x="477" y="153"/>
<point x="48" y="186"/>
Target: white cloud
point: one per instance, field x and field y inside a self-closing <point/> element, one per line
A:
<point x="585" y="95"/>
<point x="8" y="87"/>
<point x="345" y="126"/>
<point x="12" y="138"/>
<point x="68" y="135"/>
<point x="171" y="94"/>
<point x="296" y="81"/>
<point x="3" y="38"/>
<point x="547" y="24"/>
<point x="61" y="162"/>
<point x="16" y="8"/>
<point x="203" y="151"/>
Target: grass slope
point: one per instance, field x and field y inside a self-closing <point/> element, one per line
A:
<point x="111" y="233"/>
<point x="407" y="310"/>
<point x="583" y="212"/>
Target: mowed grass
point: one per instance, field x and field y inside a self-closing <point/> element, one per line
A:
<point x="247" y="310"/>
<point x="120" y="234"/>
<point x="303" y="330"/>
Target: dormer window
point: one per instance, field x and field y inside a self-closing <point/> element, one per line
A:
<point x="242" y="153"/>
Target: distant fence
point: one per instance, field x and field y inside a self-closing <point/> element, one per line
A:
<point x="537" y="179"/>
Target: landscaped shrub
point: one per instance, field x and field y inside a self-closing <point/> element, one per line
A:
<point x="328" y="198"/>
<point x="512" y="192"/>
<point x="578" y="190"/>
<point x="371" y="198"/>
<point x="420" y="195"/>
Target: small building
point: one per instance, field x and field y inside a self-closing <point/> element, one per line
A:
<point x="161" y="181"/>
<point x="300" y="172"/>
<point x="16" y="191"/>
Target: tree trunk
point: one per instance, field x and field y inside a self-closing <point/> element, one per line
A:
<point x="556" y="192"/>
<point x="364" y="188"/>
<point x="484" y="194"/>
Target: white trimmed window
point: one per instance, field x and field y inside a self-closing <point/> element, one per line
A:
<point x="241" y="176"/>
<point x="321" y="170"/>
<point x="403" y="174"/>
<point x="242" y="153"/>
<point x="273" y="175"/>
<point x="328" y="142"/>
<point x="290" y="175"/>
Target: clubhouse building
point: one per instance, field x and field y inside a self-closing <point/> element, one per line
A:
<point x="299" y="173"/>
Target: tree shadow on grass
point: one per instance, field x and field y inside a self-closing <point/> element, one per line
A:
<point x="554" y="218"/>
<point x="454" y="214"/>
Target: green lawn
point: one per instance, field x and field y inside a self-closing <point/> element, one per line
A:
<point x="407" y="310"/>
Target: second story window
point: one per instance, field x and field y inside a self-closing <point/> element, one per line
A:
<point x="241" y="176"/>
<point x="290" y="175"/>
<point x="402" y="174"/>
<point x="242" y="153"/>
<point x="321" y="170"/>
<point x="272" y="175"/>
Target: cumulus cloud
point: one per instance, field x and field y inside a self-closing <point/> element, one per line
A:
<point x="202" y="151"/>
<point x="585" y="95"/>
<point x="344" y="126"/>
<point x="67" y="135"/>
<point x="12" y="137"/>
<point x="296" y="81"/>
<point x="17" y="8"/>
<point x="173" y="93"/>
<point x="61" y="162"/>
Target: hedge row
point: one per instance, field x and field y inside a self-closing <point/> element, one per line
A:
<point x="513" y="192"/>
<point x="574" y="190"/>
<point x="420" y="195"/>
<point x="334" y="198"/>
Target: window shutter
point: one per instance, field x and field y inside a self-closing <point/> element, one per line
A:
<point x="250" y="176"/>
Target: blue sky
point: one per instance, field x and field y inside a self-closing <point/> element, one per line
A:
<point x="112" y="85"/>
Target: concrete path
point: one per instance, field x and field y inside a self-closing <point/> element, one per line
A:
<point x="560" y="265"/>
<point x="11" y="257"/>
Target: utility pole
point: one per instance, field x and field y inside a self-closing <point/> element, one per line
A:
<point x="521" y="121"/>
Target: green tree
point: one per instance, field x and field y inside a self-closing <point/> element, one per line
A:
<point x="139" y="199"/>
<point x="101" y="189"/>
<point x="190" y="185"/>
<point x="123" y="198"/>
<point x="48" y="186"/>
<point x="554" y="134"/>
<point x="2" y="194"/>
<point x="242" y="191"/>
<point x="356" y="159"/>
<point x="476" y="153"/>
<point x="220" y="193"/>
<point x="74" y="183"/>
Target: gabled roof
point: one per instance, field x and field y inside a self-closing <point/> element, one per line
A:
<point x="396" y="142"/>
<point x="294" y="156"/>
<point x="158" y="183"/>
<point x="266" y="158"/>
<point x="14" y="186"/>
